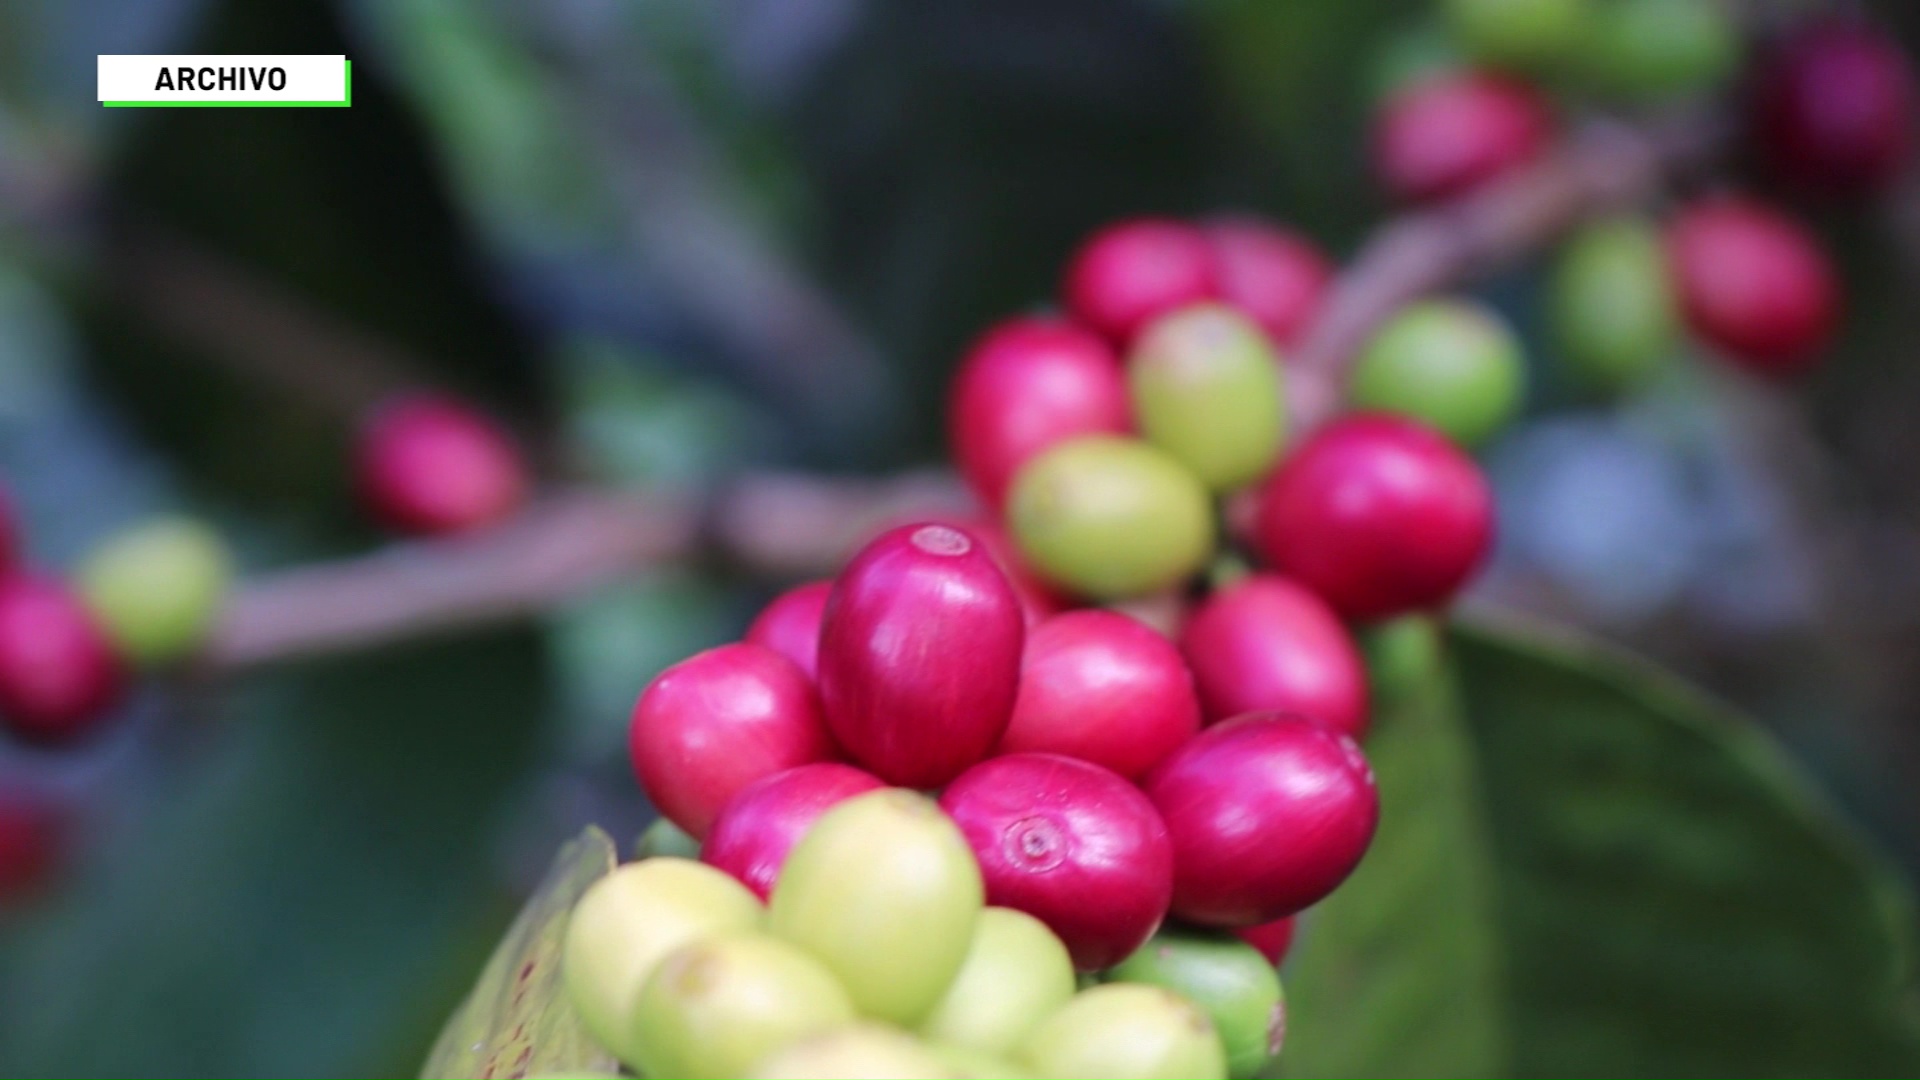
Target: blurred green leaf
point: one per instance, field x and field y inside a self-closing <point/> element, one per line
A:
<point x="1643" y="886"/>
<point x="518" y="1020"/>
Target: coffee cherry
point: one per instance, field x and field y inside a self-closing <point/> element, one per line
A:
<point x="920" y="654"/>
<point x="1026" y="385"/>
<point x="1226" y="977"/>
<point x="156" y="589"/>
<point x="1443" y="136"/>
<point x="1754" y="283"/>
<point x="1523" y="35"/>
<point x="1102" y="687"/>
<point x="1038" y="600"/>
<point x="884" y="891"/>
<point x="1131" y="272"/>
<point x="1052" y="834"/>
<point x="1378" y="515"/>
<point x="853" y="1052"/>
<point x="1405" y="657"/>
<point x="628" y="921"/>
<point x="1205" y="384"/>
<point x="759" y="827"/>
<point x="716" y="722"/>
<point x="1273" y="939"/>
<point x="33" y="842"/>
<point x="428" y="465"/>
<point x="1835" y="109"/>
<point x="1612" y="306"/>
<point x="717" y="1006"/>
<point x="1016" y="973"/>
<point x="59" y="676"/>
<point x="1268" y="813"/>
<point x="1453" y="364"/>
<point x="1127" y="1030"/>
<point x="978" y="1065"/>
<point x="1110" y="517"/>
<point x="790" y="624"/>
<point x="1264" y="643"/>
<point x="663" y="837"/>
<point x="1652" y="50"/>
<point x="1272" y="274"/>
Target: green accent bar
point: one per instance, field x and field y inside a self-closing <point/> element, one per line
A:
<point x="342" y="104"/>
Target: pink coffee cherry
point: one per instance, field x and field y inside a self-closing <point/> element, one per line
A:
<point x="59" y="676"/>
<point x="1131" y="272"/>
<point x="1102" y="687"/>
<point x="1025" y="385"/>
<point x="1265" y="643"/>
<point x="1754" y="283"/>
<point x="1444" y="136"/>
<point x="1273" y="274"/>
<point x="920" y="654"/>
<point x="790" y="624"/>
<point x="1268" y="813"/>
<point x="710" y="725"/>
<point x="428" y="465"/>
<point x="760" y="825"/>
<point x="1378" y="514"/>
<point x="1273" y="939"/>
<point x="1070" y="843"/>
<point x="1834" y="110"/>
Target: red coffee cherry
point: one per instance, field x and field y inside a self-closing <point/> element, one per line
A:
<point x="710" y="725"/>
<point x="1038" y="600"/>
<point x="1070" y="843"/>
<point x="920" y="655"/>
<point x="1264" y="643"/>
<point x="1754" y="283"/>
<point x="428" y="465"/>
<point x="1132" y="272"/>
<point x="790" y="624"/>
<point x="1443" y="136"/>
<point x="1268" y="813"/>
<point x="1102" y="687"/>
<point x="1025" y="385"/>
<point x="59" y="677"/>
<point x="1273" y="939"/>
<point x="1377" y="514"/>
<point x="32" y="842"/>
<point x="1834" y="109"/>
<point x="759" y="826"/>
<point x="1272" y="274"/>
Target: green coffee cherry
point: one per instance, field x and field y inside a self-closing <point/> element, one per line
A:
<point x="1015" y="974"/>
<point x="1110" y="517"/>
<point x="1404" y="657"/>
<point x="976" y="1064"/>
<point x="1224" y="976"/>
<point x="1451" y="363"/>
<point x="854" y="1052"/>
<point x="883" y="890"/>
<point x="1611" y="304"/>
<point x="1126" y="1030"/>
<point x="628" y="921"/>
<point x="157" y="588"/>
<point x="1523" y="35"/>
<point x="716" y="1007"/>
<point x="663" y="837"/>
<point x="1653" y="50"/>
<point x="1206" y="388"/>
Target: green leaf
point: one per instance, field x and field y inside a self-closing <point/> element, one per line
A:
<point x="1639" y="884"/>
<point x="518" y="1020"/>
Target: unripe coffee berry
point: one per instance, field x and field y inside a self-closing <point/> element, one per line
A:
<point x="1754" y="283"/>
<point x="790" y="624"/>
<point x="1522" y="35"/>
<point x="663" y="837"/>
<point x="428" y="465"/>
<point x="885" y="892"/>
<point x="1265" y="643"/>
<point x="720" y="1005"/>
<point x="1835" y="109"/>
<point x="857" y="1050"/>
<point x="59" y="676"/>
<point x="1205" y="386"/>
<point x="1027" y="384"/>
<point x="1229" y="979"/>
<point x="714" y="723"/>
<point x="1125" y="1029"/>
<point x="1446" y="135"/>
<point x="156" y="588"/>
<point x="1110" y="517"/>
<point x="1272" y="274"/>
<point x="920" y="654"/>
<point x="1016" y="974"/>
<point x="1452" y="364"/>
<point x="1102" y="687"/>
<point x="1051" y="833"/>
<point x="1268" y="813"/>
<point x="759" y="827"/>
<point x="1653" y="50"/>
<point x="1612" y="308"/>
<point x="1378" y="515"/>
<point x="1131" y="272"/>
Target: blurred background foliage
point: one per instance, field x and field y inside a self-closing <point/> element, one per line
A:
<point x="675" y="238"/>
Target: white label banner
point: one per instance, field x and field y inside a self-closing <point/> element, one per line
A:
<point x="180" y="78"/>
